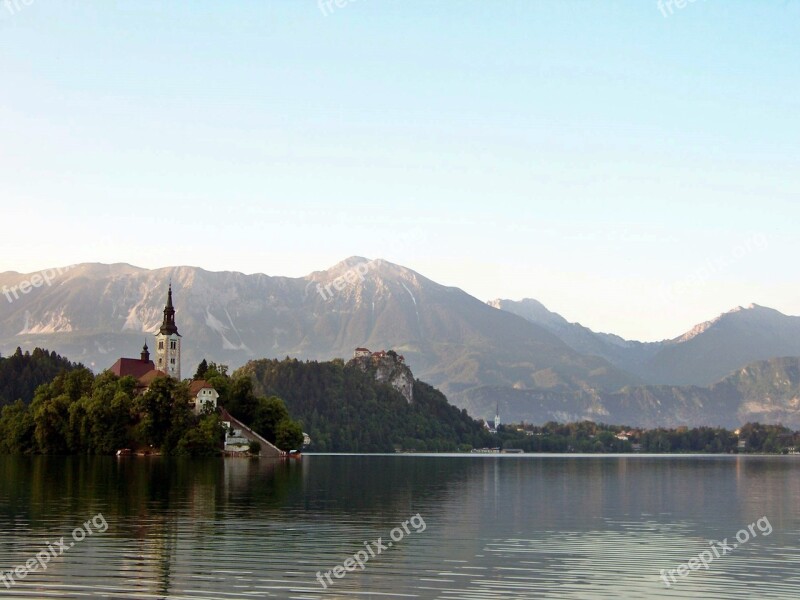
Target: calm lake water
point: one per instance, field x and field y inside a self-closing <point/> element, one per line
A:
<point x="495" y="527"/>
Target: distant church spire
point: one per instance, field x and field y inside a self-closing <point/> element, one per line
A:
<point x="145" y="353"/>
<point x="168" y="326"/>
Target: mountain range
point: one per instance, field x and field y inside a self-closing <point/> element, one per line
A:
<point x="701" y="356"/>
<point x="529" y="361"/>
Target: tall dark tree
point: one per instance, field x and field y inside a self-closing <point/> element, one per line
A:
<point x="202" y="369"/>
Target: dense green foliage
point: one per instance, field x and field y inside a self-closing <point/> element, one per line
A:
<point x="585" y="436"/>
<point x="590" y="437"/>
<point x="21" y="373"/>
<point x="267" y="416"/>
<point x="78" y="413"/>
<point x="344" y="409"/>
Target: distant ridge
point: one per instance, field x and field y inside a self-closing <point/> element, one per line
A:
<point x="701" y="356"/>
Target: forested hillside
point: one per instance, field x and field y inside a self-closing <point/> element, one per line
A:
<point x="344" y="409"/>
<point x="22" y="372"/>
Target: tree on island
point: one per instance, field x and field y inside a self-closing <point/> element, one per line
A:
<point x="202" y="369"/>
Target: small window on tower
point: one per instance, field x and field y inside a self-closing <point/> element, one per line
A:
<point x="161" y="345"/>
<point x="172" y="361"/>
<point x="173" y="344"/>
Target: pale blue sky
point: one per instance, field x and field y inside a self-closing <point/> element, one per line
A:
<point x="634" y="172"/>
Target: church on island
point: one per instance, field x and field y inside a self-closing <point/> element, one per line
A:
<point x="202" y="395"/>
<point x="167" y="363"/>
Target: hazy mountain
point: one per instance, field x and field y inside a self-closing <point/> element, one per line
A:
<point x="701" y="356"/>
<point x="96" y="313"/>
<point x="715" y="348"/>
<point x="764" y="391"/>
<point x="629" y="355"/>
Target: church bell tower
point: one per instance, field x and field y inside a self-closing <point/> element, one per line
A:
<point x="168" y="342"/>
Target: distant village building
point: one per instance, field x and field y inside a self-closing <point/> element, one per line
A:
<point x="493" y="425"/>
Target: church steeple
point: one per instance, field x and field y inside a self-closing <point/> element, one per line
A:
<point x="145" y="353"/>
<point x="168" y="326"/>
<point x="168" y="342"/>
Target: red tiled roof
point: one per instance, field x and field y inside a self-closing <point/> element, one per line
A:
<point x="197" y="385"/>
<point x="132" y="366"/>
<point x="362" y="349"/>
<point x="151" y="376"/>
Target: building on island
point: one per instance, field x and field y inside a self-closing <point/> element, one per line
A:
<point x="202" y="395"/>
<point x="135" y="367"/>
<point x="235" y="440"/>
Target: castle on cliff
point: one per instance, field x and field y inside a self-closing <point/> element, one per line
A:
<point x="388" y="367"/>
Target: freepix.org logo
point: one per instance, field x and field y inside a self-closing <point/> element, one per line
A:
<point x="717" y="550"/>
<point x="340" y="283"/>
<point x="34" y="281"/>
<point x="53" y="550"/>
<point x="372" y="550"/>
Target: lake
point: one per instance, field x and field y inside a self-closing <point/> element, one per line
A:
<point x="472" y="527"/>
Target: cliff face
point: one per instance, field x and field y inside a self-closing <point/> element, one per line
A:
<point x="389" y="368"/>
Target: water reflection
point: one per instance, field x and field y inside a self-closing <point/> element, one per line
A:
<point x="497" y="527"/>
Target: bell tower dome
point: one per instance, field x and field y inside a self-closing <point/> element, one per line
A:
<point x="145" y="357"/>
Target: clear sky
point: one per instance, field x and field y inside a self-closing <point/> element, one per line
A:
<point x="634" y="171"/>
